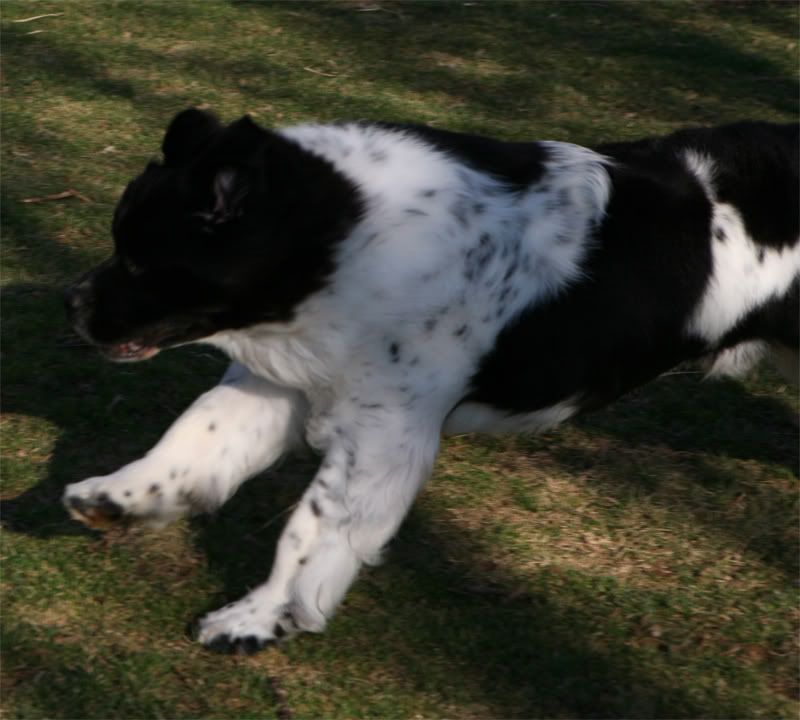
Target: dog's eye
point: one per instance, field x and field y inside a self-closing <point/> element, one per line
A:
<point x="206" y="221"/>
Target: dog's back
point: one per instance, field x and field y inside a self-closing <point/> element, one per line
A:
<point x="696" y="257"/>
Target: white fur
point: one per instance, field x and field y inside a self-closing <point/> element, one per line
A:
<point x="740" y="281"/>
<point x="471" y="417"/>
<point x="738" y="360"/>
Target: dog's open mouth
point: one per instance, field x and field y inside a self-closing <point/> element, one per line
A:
<point x="131" y="351"/>
<point x="154" y="339"/>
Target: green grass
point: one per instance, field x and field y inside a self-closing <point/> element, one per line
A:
<point x="639" y="563"/>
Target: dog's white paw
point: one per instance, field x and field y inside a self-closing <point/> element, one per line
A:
<point x="245" y="627"/>
<point x="135" y="492"/>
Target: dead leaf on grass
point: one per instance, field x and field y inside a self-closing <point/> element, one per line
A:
<point x="37" y="17"/>
<point x="66" y="194"/>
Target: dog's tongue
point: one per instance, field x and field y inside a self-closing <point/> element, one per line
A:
<point x="131" y="351"/>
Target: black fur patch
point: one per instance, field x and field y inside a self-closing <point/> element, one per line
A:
<point x="516" y="164"/>
<point x="648" y="268"/>
<point x="197" y="274"/>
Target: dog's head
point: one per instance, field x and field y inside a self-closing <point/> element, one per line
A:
<point x="235" y="227"/>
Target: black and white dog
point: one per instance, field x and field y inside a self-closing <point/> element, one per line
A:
<point x="377" y="285"/>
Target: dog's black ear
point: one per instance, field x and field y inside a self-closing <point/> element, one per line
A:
<point x="241" y="141"/>
<point x="189" y="133"/>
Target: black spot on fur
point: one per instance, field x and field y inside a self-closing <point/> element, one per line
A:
<point x="394" y="352"/>
<point x="173" y="473"/>
<point x="154" y="488"/>
<point x="719" y="234"/>
<point x="237" y="646"/>
<point x="211" y="427"/>
<point x="477" y="258"/>
<point x="427" y="193"/>
<point x="430" y="324"/>
<point x="302" y="561"/>
<point x="378" y="156"/>
<point x="760" y="255"/>
<point x="459" y="212"/>
<point x="461" y="331"/>
<point x="127" y="493"/>
<point x="278" y="631"/>
<point x="316" y="509"/>
<point x="415" y="211"/>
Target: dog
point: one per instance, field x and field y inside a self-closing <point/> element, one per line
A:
<point x="377" y="285"/>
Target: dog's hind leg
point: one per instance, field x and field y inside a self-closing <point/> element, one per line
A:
<point x="229" y="434"/>
<point x="363" y="490"/>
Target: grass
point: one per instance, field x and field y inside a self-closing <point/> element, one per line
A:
<point x="639" y="563"/>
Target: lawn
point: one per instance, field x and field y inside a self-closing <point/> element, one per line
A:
<point x="642" y="562"/>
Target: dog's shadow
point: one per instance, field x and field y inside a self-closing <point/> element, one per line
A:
<point x="104" y="415"/>
<point x="441" y="614"/>
<point x="523" y="653"/>
<point x="100" y="415"/>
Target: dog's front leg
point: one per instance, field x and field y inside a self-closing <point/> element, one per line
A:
<point x="372" y="470"/>
<point x="229" y="434"/>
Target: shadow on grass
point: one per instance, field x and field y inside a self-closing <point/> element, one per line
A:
<point x="526" y="653"/>
<point x="486" y="637"/>
<point x="692" y="427"/>
<point x="80" y="75"/>
<point x="51" y="674"/>
<point x="640" y="56"/>
<point x="101" y="414"/>
<point x="57" y="681"/>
